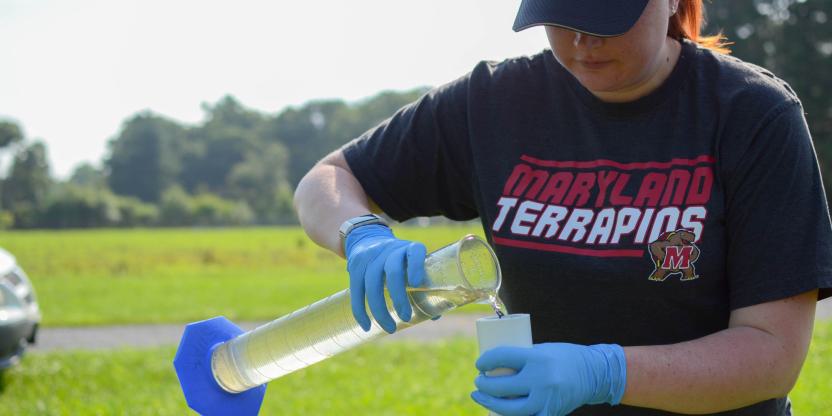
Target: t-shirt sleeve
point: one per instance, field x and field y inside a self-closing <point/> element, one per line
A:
<point x="418" y="162"/>
<point x="777" y="219"/>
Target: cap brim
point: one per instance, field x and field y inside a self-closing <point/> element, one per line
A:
<point x="603" y="18"/>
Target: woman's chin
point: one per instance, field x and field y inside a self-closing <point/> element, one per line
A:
<point x="596" y="84"/>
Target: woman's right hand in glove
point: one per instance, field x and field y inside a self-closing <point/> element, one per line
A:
<point x="375" y="257"/>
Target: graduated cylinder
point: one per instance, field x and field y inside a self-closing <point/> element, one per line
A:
<point x="460" y="273"/>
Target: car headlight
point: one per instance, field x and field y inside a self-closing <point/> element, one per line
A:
<point x="13" y="278"/>
<point x="20" y="284"/>
<point x="11" y="306"/>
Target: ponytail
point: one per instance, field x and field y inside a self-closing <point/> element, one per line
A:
<point x="687" y="24"/>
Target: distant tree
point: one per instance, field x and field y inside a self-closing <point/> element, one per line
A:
<point x="145" y="157"/>
<point x="212" y="154"/>
<point x="371" y="111"/>
<point x="74" y="206"/>
<point x="177" y="208"/>
<point x="229" y="156"/>
<point x="306" y="134"/>
<point x="25" y="188"/>
<point x="228" y="112"/>
<point x="319" y="127"/>
<point x="211" y="210"/>
<point x="261" y="181"/>
<point x="239" y="166"/>
<point x="135" y="213"/>
<point x="10" y="133"/>
<point x="28" y="180"/>
<point x="213" y="149"/>
<point x="86" y="175"/>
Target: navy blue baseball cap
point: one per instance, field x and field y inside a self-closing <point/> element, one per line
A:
<point x="603" y="18"/>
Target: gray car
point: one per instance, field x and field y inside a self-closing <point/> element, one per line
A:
<point x="19" y="311"/>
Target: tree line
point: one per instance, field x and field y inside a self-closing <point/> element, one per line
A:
<point x="240" y="166"/>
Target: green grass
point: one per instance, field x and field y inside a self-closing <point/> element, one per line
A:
<point x="813" y="393"/>
<point x="376" y="379"/>
<point x="183" y="275"/>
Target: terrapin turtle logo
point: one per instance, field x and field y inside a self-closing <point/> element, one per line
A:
<point x="674" y="252"/>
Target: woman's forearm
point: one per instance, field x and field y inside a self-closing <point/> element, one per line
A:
<point x="736" y="367"/>
<point x="730" y="369"/>
<point x="326" y="197"/>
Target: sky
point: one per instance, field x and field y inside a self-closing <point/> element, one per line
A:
<point x="73" y="70"/>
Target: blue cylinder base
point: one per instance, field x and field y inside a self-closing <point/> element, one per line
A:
<point x="193" y="367"/>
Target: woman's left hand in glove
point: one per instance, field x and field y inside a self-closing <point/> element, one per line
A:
<point x="551" y="379"/>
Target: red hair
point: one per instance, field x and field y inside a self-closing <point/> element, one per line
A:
<point x="687" y="23"/>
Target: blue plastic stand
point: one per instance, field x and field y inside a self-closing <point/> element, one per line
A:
<point x="193" y="367"/>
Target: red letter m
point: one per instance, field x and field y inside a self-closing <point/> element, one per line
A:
<point x="677" y="257"/>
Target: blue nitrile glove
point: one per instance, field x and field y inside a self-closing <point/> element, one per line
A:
<point x="551" y="379"/>
<point x="376" y="257"/>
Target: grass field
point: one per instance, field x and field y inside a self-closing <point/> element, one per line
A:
<point x="142" y="276"/>
<point x="376" y="379"/>
<point x="184" y="275"/>
<point x="380" y="379"/>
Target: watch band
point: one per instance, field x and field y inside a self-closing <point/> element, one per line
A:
<point x="356" y="222"/>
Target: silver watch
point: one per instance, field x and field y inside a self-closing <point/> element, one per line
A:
<point x="356" y="222"/>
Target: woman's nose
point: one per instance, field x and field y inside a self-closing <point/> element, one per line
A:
<point x="587" y="41"/>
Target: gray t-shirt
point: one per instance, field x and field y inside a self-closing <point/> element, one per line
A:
<point x="640" y="223"/>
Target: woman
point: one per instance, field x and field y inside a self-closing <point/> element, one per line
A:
<point x="655" y="205"/>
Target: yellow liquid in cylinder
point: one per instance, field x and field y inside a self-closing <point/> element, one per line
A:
<point x="317" y="332"/>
